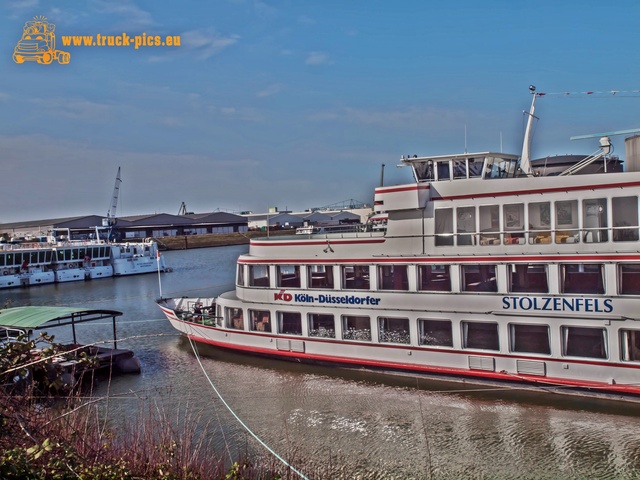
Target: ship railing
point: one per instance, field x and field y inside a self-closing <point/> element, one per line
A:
<point x="557" y="235"/>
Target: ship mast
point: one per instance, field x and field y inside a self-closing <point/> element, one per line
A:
<point x="525" y="159"/>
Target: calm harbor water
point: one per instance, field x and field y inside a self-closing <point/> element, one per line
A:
<point x="373" y="425"/>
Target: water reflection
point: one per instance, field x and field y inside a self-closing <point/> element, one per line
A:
<point x="369" y="424"/>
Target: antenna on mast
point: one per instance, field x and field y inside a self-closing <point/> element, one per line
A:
<point x="525" y="159"/>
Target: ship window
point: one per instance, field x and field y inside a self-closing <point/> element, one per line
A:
<point x="481" y="335"/>
<point x="17" y="259"/>
<point x="288" y="276"/>
<point x="478" y="278"/>
<point x="594" y="221"/>
<point x="260" y="320"/>
<point x="629" y="279"/>
<point x="34" y="257"/>
<point x="355" y="277"/>
<point x="320" y="276"/>
<point x="475" y="167"/>
<point x="625" y="218"/>
<point x="423" y="170"/>
<point x="584" y="342"/>
<point x="393" y="277"/>
<point x="489" y="218"/>
<point x="290" y="323"/>
<point x="81" y="253"/>
<point x="530" y="338"/>
<point x="240" y="275"/>
<point x="322" y="325"/>
<point x="528" y="277"/>
<point x="48" y="256"/>
<point x="540" y="222"/>
<point x="258" y="275"/>
<point x="2" y="260"/>
<point x="465" y="225"/>
<point x="444" y="226"/>
<point x="356" y="328"/>
<point x="393" y="330"/>
<point x="436" y="333"/>
<point x="582" y="278"/>
<point x="434" y="278"/>
<point x="460" y="168"/>
<point x="67" y="254"/>
<point x="444" y="172"/>
<point x="497" y="167"/>
<point x="567" y="222"/>
<point x="630" y="343"/>
<point x="513" y="224"/>
<point x="234" y="318"/>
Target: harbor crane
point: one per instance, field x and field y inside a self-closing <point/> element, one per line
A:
<point x="111" y="214"/>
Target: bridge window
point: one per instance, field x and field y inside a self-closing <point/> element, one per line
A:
<point x="444" y="172"/>
<point x="528" y="278"/>
<point x="444" y="226"/>
<point x="393" y="330"/>
<point x="582" y="278"/>
<point x="460" y="168"/>
<point x="320" y="276"/>
<point x="355" y="277"/>
<point x="393" y="277"/>
<point x="584" y="342"/>
<point x="434" y="278"/>
<point x="322" y="325"/>
<point x="624" y="212"/>
<point x="630" y="343"/>
<point x="594" y="221"/>
<point x="288" y="276"/>
<point x="478" y="278"/>
<point x="258" y="275"/>
<point x="567" y="222"/>
<point x="436" y="333"/>
<point x="356" y="328"/>
<point x="480" y="335"/>
<point x="290" y="323"/>
<point x="530" y="338"/>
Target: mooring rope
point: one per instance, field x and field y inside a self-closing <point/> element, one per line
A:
<point x="244" y="425"/>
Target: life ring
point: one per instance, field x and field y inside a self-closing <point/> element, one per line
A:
<point x="6" y="272"/>
<point x="71" y="265"/>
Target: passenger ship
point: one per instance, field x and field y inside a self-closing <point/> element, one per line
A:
<point x="487" y="270"/>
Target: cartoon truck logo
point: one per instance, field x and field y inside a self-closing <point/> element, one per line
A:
<point x="38" y="44"/>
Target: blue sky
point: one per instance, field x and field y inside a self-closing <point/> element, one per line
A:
<point x="295" y="104"/>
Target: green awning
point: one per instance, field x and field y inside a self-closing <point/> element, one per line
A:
<point x="30" y="318"/>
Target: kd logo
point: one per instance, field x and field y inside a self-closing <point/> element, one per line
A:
<point x="38" y="43"/>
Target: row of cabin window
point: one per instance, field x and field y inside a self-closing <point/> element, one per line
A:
<point x="17" y="259"/>
<point x="595" y="220"/>
<point x="588" y="342"/>
<point x="574" y="278"/>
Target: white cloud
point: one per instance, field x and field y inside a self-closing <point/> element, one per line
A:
<point x="75" y="108"/>
<point x="207" y="42"/>
<point x="133" y="17"/>
<point x="318" y="58"/>
<point x="265" y="92"/>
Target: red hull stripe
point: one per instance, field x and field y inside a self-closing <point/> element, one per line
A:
<point x="539" y="191"/>
<point x="382" y="191"/>
<point x="426" y="368"/>
<point x="454" y="260"/>
<point x="303" y="243"/>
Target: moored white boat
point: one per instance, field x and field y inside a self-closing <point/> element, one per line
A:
<point x="484" y="271"/>
<point x="22" y="265"/>
<point x="132" y="258"/>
